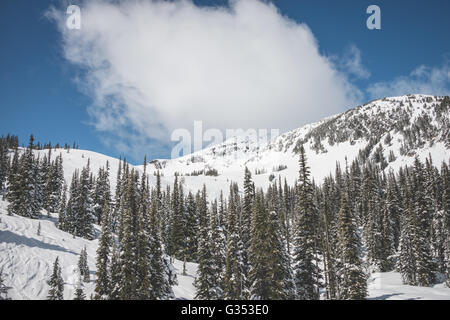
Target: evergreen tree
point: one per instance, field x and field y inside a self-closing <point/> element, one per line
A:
<point x="56" y="283"/>
<point x="234" y="281"/>
<point x="128" y="258"/>
<point x="423" y="214"/>
<point x="177" y="222"/>
<point x="305" y="240"/>
<point x="205" y="279"/>
<point x="217" y="245"/>
<point x="143" y="254"/>
<point x="83" y="267"/>
<point x="115" y="271"/>
<point x="192" y="229"/>
<point x="103" y="276"/>
<point x="353" y="284"/>
<point x="62" y="218"/>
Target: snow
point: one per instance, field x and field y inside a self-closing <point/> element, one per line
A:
<point x="232" y="156"/>
<point x="388" y="286"/>
<point x="27" y="259"/>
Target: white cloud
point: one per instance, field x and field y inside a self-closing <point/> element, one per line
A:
<point x="423" y="79"/>
<point x="153" y="66"/>
<point x="351" y="63"/>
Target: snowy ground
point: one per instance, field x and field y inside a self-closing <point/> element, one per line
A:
<point x="27" y="260"/>
<point x="388" y="286"/>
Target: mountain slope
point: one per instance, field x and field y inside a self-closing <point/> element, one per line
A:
<point x="27" y="260"/>
<point x="402" y="127"/>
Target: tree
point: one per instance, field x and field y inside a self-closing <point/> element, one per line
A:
<point x="423" y="214"/>
<point x="234" y="277"/>
<point x="83" y="267"/>
<point x="103" y="280"/>
<point x="353" y="284"/>
<point x="56" y="283"/>
<point x="62" y="218"/>
<point x="205" y="279"/>
<point x="305" y="238"/>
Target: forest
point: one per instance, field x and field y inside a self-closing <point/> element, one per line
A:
<point x="312" y="240"/>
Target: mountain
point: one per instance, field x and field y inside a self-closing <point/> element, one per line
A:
<point x="395" y="129"/>
<point x="392" y="131"/>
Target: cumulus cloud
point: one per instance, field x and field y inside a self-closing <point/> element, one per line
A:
<point x="154" y="66"/>
<point x="423" y="79"/>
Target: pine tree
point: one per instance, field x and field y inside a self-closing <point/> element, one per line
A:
<point x="234" y="281"/>
<point x="143" y="254"/>
<point x="408" y="241"/>
<point x="161" y="276"/>
<point x="4" y="160"/>
<point x="56" y="283"/>
<point x="328" y="216"/>
<point x="423" y="214"/>
<point x="84" y="213"/>
<point x="83" y="267"/>
<point x="24" y="194"/>
<point x="205" y="279"/>
<point x="103" y="276"/>
<point x="192" y="229"/>
<point x="305" y="239"/>
<point x="129" y="213"/>
<point x="217" y="245"/>
<point x="353" y="284"/>
<point x="446" y="213"/>
<point x="115" y="271"/>
<point x="62" y="218"/>
<point x="177" y="222"/>
<point x="245" y="220"/>
<point x="260" y="272"/>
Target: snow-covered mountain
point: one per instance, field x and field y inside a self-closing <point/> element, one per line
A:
<point x="398" y="127"/>
<point x="395" y="129"/>
<point x="402" y="127"/>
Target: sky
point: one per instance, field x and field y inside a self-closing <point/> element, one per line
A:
<point x="138" y="70"/>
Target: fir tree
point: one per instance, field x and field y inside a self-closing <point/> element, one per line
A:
<point x="305" y="242"/>
<point x="56" y="283"/>
<point x="103" y="276"/>
<point x="353" y="284"/>
<point x="83" y="267"/>
<point x="234" y="281"/>
<point x="62" y="219"/>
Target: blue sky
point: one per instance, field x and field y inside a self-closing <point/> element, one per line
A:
<point x="38" y="94"/>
